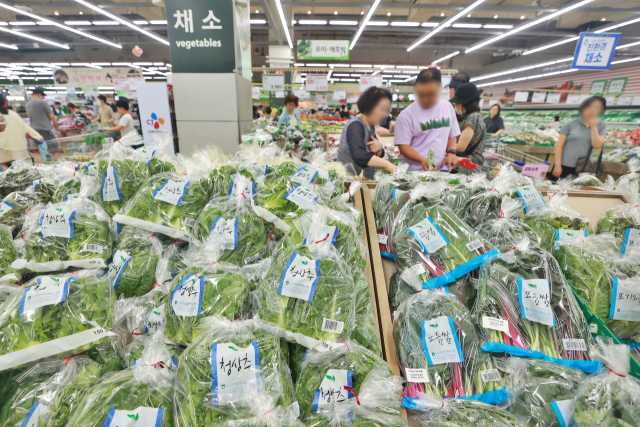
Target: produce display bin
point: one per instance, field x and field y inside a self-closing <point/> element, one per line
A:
<point x="592" y="204"/>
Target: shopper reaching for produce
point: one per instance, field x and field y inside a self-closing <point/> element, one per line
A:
<point x="359" y="147"/>
<point x="493" y="122"/>
<point x="125" y="125"/>
<point x="289" y="116"/>
<point x="430" y="124"/>
<point x="580" y="136"/>
<point x="473" y="133"/>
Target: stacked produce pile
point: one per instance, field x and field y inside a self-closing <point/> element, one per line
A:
<point x="145" y="289"/>
<point x="297" y="141"/>
<point x="494" y="300"/>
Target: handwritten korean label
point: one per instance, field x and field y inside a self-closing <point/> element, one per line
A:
<point x="48" y="291"/>
<point x="225" y="232"/>
<point x="564" y="410"/>
<point x="530" y="197"/>
<point x="171" y="192"/>
<point x="535" y="300"/>
<point x="536" y="171"/>
<point x="186" y="298"/>
<point x="631" y="239"/>
<point x="625" y="300"/>
<point x="5" y="207"/>
<point x="302" y="196"/>
<point x="115" y="269"/>
<point x="110" y="187"/>
<point x="236" y="373"/>
<point x="305" y="175"/>
<point x="320" y="238"/>
<point x="145" y="155"/>
<point x="243" y="187"/>
<point x="139" y="417"/>
<point x="332" y="388"/>
<point x="57" y="221"/>
<point x="429" y="235"/>
<point x="440" y="341"/>
<point x="300" y="277"/>
<point x="37" y="410"/>
<point x="156" y="320"/>
<point x="383" y="239"/>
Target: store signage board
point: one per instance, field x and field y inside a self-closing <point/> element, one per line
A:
<point x="352" y="99"/>
<point x="272" y="83"/>
<point x="625" y="100"/>
<point x="595" y="51"/>
<point x="323" y="49"/>
<point x="539" y="97"/>
<point x="636" y="100"/>
<point x="521" y="97"/>
<point x="91" y="77"/>
<point x="610" y="99"/>
<point x="255" y="92"/>
<point x="617" y="85"/>
<point x="127" y="83"/>
<point x="339" y="94"/>
<point x="573" y="99"/>
<point x="597" y="86"/>
<point x="317" y="82"/>
<point x="155" y="116"/>
<point x="366" y="81"/>
<point x="302" y="94"/>
<point x="553" y="98"/>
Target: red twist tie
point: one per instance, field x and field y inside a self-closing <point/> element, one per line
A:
<point x="267" y="413"/>
<point x="242" y="194"/>
<point x="22" y="236"/>
<point x="67" y="359"/>
<point x="501" y="213"/>
<point x="323" y="240"/>
<point x="611" y="370"/>
<point x="135" y="333"/>
<point x="160" y="364"/>
<point x="351" y="390"/>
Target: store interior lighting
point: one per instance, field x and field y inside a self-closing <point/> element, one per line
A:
<point x="364" y="23"/>
<point x="32" y="37"/>
<point x="284" y="23"/>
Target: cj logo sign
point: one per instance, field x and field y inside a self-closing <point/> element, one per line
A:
<point x="155" y="121"/>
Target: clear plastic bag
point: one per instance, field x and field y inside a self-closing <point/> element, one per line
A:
<point x="8" y="254"/>
<point x="526" y="308"/>
<point x="20" y="176"/>
<point x="456" y="198"/>
<point x="463" y="289"/>
<point x="587" y="180"/>
<point x="618" y="219"/>
<point x="75" y="233"/>
<point x="172" y="262"/>
<point x="508" y="231"/>
<point x="14" y="208"/>
<point x="211" y="389"/>
<point x="438" y="348"/>
<point x="630" y="182"/>
<point x="157" y="157"/>
<point x="468" y="413"/>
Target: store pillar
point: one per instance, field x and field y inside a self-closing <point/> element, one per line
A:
<point x="211" y="71"/>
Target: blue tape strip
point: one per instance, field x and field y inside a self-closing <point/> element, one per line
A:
<point x="388" y="255"/>
<point x="461" y="270"/>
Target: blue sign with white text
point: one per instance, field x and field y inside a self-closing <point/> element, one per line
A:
<point x="595" y="51"/>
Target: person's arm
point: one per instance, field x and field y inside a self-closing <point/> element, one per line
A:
<point x="115" y="128"/>
<point x="26" y="129"/>
<point x="281" y="120"/>
<point x="597" y="140"/>
<point x="379" y="162"/>
<point x="451" y="160"/>
<point x="557" y="168"/>
<point x="465" y="138"/>
<point x="54" y="120"/>
<point x="358" y="146"/>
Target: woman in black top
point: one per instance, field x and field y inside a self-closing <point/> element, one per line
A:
<point x="493" y="122"/>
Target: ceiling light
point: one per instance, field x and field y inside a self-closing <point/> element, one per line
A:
<point x="29" y="36"/>
<point x="384" y="66"/>
<point x="257" y="21"/>
<point x="360" y="66"/>
<point x="298" y="64"/>
<point x="498" y="26"/>
<point x="257" y="11"/>
<point x="21" y="23"/>
<point x="521" y="16"/>
<point x="340" y="75"/>
<point x="157" y="22"/>
<point x="143" y="64"/>
<point x="445" y="24"/>
<point x="603" y="19"/>
<point x="101" y="64"/>
<point x="77" y="22"/>
<point x="430" y="24"/>
<point x="105" y="23"/>
<point x="495" y="16"/>
<point x="56" y="13"/>
<point x="362" y="12"/>
<point x="528" y="25"/>
<point x="343" y="22"/>
<point x="8" y="46"/>
<point x="316" y="65"/>
<point x="547" y="46"/>
<point x="467" y="25"/>
<point x="141" y="22"/>
<point x="451" y="55"/>
<point x="518" y="70"/>
<point x="85" y="64"/>
<point x="364" y="23"/>
<point x="81" y="13"/>
<point x="407" y="67"/>
<point x="377" y="23"/>
<point x="312" y="22"/>
<point x="626" y="60"/>
<point x="624" y="46"/>
<point x="335" y="12"/>
<point x="124" y="21"/>
<point x="308" y="12"/>
<point x="405" y="24"/>
<point x="348" y="80"/>
<point x="284" y="23"/>
<point x="442" y="14"/>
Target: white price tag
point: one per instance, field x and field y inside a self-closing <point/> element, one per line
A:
<point x="72" y="196"/>
<point x="428" y="235"/>
<point x="625" y="300"/>
<point x="329" y="325"/>
<point x="490" y="375"/>
<point x="305" y="175"/>
<point x="501" y="364"/>
<point x="383" y="239"/>
<point x="57" y="222"/>
<point x="332" y="389"/>
<point x="37" y="409"/>
<point x="242" y="186"/>
<point x="300" y="277"/>
<point x="440" y="341"/>
<point x="302" y="196"/>
<point x="237" y="374"/>
<point x="562" y="235"/>
<point x="475" y="245"/>
<point x="110" y="187"/>
<point x="115" y="269"/>
<point x="593" y="327"/>
<point x="225" y="231"/>
<point x="5" y="207"/>
<point x="416" y="375"/>
<point x="171" y="192"/>
<point x="530" y="197"/>
<point x="571" y="344"/>
<point x="48" y="291"/>
<point x="87" y="247"/>
<point x="535" y="301"/>
<point x="631" y="239"/>
<point x="139" y="417"/>
<point x="495" y="324"/>
<point x="186" y="298"/>
<point x="418" y="269"/>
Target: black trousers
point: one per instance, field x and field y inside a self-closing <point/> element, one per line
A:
<point x="566" y="171"/>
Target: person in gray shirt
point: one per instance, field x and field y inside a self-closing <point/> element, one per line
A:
<point x="580" y="136"/>
<point x="41" y="115"/>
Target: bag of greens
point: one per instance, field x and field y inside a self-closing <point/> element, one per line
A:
<point x="587" y="180"/>
<point x="468" y="413"/>
<point x="525" y="308"/>
<point x="231" y="369"/>
<point x="22" y="175"/>
<point x="388" y="188"/>
<point x="438" y="348"/>
<point x="172" y="262"/>
<point x="14" y="208"/>
<point x="8" y="254"/>
<point x="630" y="182"/>
<point x="157" y="157"/>
<point x="618" y="219"/>
<point x="457" y="197"/>
<point x="75" y="233"/>
<point x="508" y="231"/>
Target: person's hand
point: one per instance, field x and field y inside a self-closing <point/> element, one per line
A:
<point x="450" y="160"/>
<point x="494" y="135"/>
<point x="426" y="166"/>
<point x="391" y="168"/>
<point x="557" y="170"/>
<point x="374" y="145"/>
<point x="593" y="123"/>
<point x="41" y="139"/>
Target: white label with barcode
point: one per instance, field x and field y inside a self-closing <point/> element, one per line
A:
<point x="574" y="344"/>
<point x="495" y="324"/>
<point x="383" y="239"/>
<point x="416" y="375"/>
<point x="593" y="328"/>
<point x="189" y="222"/>
<point x="501" y="364"/>
<point x="475" y="245"/>
<point x="490" y="375"/>
<point x="329" y="325"/>
<point x="93" y="248"/>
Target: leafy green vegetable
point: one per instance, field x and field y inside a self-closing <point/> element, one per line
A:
<point x="617" y="219"/>
<point x="22" y="202"/>
<point x="587" y="180"/>
<point x="8" y="254"/>
<point x="223" y="177"/>
<point x="468" y="413"/>
<point x="555" y="215"/>
<point x="508" y="231"/>
<point x="274" y="200"/>
<point x="70" y="186"/>
<point x="486" y="206"/>
<point x="19" y="177"/>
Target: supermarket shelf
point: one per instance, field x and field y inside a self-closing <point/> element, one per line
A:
<point x="551" y="121"/>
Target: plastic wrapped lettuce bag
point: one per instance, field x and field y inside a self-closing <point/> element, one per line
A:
<point x="166" y="203"/>
<point x="75" y="233"/>
<point x="319" y="172"/>
<point x="630" y="182"/>
<point x="231" y="223"/>
<point x="432" y="241"/>
<point x="623" y="221"/>
<point x="74" y="310"/>
<point x="8" y="254"/>
<point x="508" y="231"/>
<point x="611" y="396"/>
<point x="555" y="215"/>
<point x="587" y="180"/>
<point x="231" y="368"/>
<point x="144" y="314"/>
<point x="330" y="378"/>
<point x="438" y="348"/>
<point x="132" y="272"/>
<point x="468" y="413"/>
<point x="456" y="198"/>
<point x="14" y="207"/>
<point x="388" y="188"/>
<point x="172" y="261"/>
<point x="46" y="392"/>
<point x="233" y="179"/>
<point x="157" y="156"/>
<point x="543" y="392"/>
<point x="20" y="176"/>
<point x="589" y="265"/>
<point x="307" y="295"/>
<point x="138" y="353"/>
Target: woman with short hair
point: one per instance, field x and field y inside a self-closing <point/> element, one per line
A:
<point x="473" y="133"/>
<point x="290" y="115"/>
<point x="493" y="122"/>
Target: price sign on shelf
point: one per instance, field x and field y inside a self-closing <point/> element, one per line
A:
<point x="573" y="99"/>
<point x="339" y="94"/>
<point x="317" y="82"/>
<point x="367" y="81"/>
<point x="539" y="97"/>
<point x="272" y="83"/>
<point x="553" y="98"/>
<point x="521" y="96"/>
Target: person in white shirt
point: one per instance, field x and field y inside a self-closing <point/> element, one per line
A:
<point x="125" y="124"/>
<point x="13" y="143"/>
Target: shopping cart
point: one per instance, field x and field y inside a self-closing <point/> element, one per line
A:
<point x="496" y="154"/>
<point x="77" y="147"/>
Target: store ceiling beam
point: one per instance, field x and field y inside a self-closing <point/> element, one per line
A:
<point x="390" y="45"/>
<point x="73" y="4"/>
<point x="270" y="20"/>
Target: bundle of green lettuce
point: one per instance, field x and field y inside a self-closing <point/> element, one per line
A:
<point x="49" y="308"/>
<point x="630" y="182"/>
<point x="468" y="413"/>
<point x="75" y="233"/>
<point x="456" y="198"/>
<point x="611" y="397"/>
<point x="438" y="348"/>
<point x="132" y="272"/>
<point x="508" y="231"/>
<point x="157" y="157"/>
<point x="485" y="206"/>
<point x="555" y="215"/>
<point x="13" y="209"/>
<point x="46" y="393"/>
<point x="74" y="187"/>
<point x="8" y="254"/>
<point x="167" y="204"/>
<point x="231" y="371"/>
<point x="321" y="173"/>
<point x="329" y="379"/>
<point x="21" y="176"/>
<point x="389" y="187"/>
<point x="544" y="391"/>
<point x="231" y="223"/>
<point x="588" y="264"/>
<point x="525" y="308"/>
<point x="587" y="180"/>
<point x="118" y="177"/>
<point x="136" y="353"/>
<point x="311" y="296"/>
<point x="618" y="219"/>
<point x="233" y="179"/>
<point x="435" y="244"/>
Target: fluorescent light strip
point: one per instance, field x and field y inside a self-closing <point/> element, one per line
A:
<point x="364" y="23"/>
<point x="105" y="22"/>
<point x="141" y="22"/>
<point x="8" y="46"/>
<point x="451" y="55"/>
<point x="360" y="66"/>
<point x="29" y="36"/>
<point x="498" y="26"/>
<point x="377" y="23"/>
<point x="77" y="23"/>
<point x="22" y="23"/>
<point x="59" y="25"/>
<point x="626" y="60"/>
<point x="446" y="24"/>
<point x="430" y="24"/>
<point x="284" y="23"/>
<point x="124" y="22"/>
<point x="316" y="65"/>
<point x="405" y="24"/>
<point x="537" y="76"/>
<point x="343" y="22"/>
<point x="312" y="22"/>
<point x="298" y="64"/>
<point x="518" y="70"/>
<point x="624" y="46"/>
<point x="528" y="25"/>
<point x="614" y="26"/>
<point x="407" y="67"/>
<point x="467" y="25"/>
<point x="85" y="64"/>
<point x="158" y="22"/>
<point x="257" y="21"/>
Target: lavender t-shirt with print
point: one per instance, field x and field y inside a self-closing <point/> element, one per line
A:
<point x="426" y="129"/>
